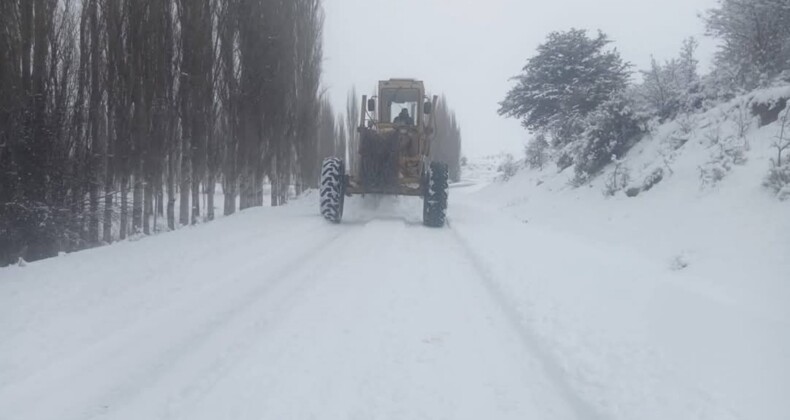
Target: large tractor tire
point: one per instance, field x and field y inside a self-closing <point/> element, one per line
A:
<point x="333" y="189"/>
<point x="436" y="187"/>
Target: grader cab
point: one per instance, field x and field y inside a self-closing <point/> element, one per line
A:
<point x="396" y="129"/>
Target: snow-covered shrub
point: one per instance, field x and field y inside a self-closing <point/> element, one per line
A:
<point x="564" y="160"/>
<point x="742" y="118"/>
<point x="736" y="152"/>
<point x="673" y="87"/>
<point x="727" y="147"/>
<point x="618" y="180"/>
<point x="653" y="179"/>
<point x="712" y="173"/>
<point x="717" y="87"/>
<point x="686" y="122"/>
<point x="720" y="164"/>
<point x="508" y="168"/>
<point x="612" y="129"/>
<point x="778" y="180"/>
<point x="727" y="153"/>
<point x="537" y="152"/>
<point x="678" y="141"/>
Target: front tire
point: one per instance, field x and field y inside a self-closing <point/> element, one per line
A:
<point x="435" y="195"/>
<point x="333" y="189"/>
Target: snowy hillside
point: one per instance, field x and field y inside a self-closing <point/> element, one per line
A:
<point x="704" y="212"/>
<point x="718" y="241"/>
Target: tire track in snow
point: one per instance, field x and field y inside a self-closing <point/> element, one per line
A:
<point x="408" y="341"/>
<point x="127" y="302"/>
<point x="243" y="332"/>
<point x="139" y="350"/>
<point x="529" y="338"/>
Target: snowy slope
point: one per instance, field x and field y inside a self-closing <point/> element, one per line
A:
<point x="732" y="231"/>
<point x="531" y="304"/>
<point x="715" y="301"/>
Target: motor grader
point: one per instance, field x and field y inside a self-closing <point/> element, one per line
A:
<point x="396" y="129"/>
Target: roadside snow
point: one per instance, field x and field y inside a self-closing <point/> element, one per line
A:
<point x="687" y="282"/>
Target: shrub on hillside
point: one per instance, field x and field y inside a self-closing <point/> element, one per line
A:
<point x="537" y="152"/>
<point x="509" y="167"/>
<point x="673" y="87"/>
<point x="611" y="131"/>
<point x="618" y="180"/>
<point x="653" y="179"/>
<point x="778" y="180"/>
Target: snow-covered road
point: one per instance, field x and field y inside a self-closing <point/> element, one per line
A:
<point x="275" y="314"/>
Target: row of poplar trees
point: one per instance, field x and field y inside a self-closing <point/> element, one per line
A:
<point x="119" y="117"/>
<point x="446" y="146"/>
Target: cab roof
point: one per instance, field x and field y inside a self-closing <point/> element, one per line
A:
<point x="402" y="84"/>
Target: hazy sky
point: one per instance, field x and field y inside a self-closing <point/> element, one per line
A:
<point x="468" y="49"/>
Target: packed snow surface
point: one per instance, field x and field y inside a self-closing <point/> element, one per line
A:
<point x="507" y="313"/>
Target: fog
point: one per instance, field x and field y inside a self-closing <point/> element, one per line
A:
<point x="469" y="49"/>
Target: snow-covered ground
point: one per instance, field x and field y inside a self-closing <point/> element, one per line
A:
<point x="542" y="302"/>
<point x="704" y="267"/>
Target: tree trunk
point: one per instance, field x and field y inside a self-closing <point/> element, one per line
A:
<point x="137" y="205"/>
<point x="160" y="206"/>
<point x="210" y="204"/>
<point x="124" y="207"/>
<point x="245" y="189"/>
<point x="171" y="193"/>
<point x="195" y="201"/>
<point x="94" y="121"/>
<point x="183" y="215"/>
<point x="108" y="202"/>
<point x="77" y="211"/>
<point x="229" y="189"/>
<point x="93" y="221"/>
<point x="148" y="205"/>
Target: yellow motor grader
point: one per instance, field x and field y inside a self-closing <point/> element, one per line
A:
<point x="396" y="129"/>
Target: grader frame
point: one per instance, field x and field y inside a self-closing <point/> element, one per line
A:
<point x="393" y="157"/>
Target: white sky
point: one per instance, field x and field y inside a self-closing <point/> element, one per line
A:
<point x="468" y="49"/>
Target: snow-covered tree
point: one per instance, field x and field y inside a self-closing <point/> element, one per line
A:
<point x="610" y="131"/>
<point x="755" y="39"/>
<point x="571" y="75"/>
<point x="327" y="131"/>
<point x="341" y="140"/>
<point x="106" y="106"/>
<point x="447" y="144"/>
<point x="537" y="152"/>
<point x="673" y="87"/>
<point x="352" y="124"/>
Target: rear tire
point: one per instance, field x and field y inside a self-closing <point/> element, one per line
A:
<point x="333" y="189"/>
<point x="435" y="195"/>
